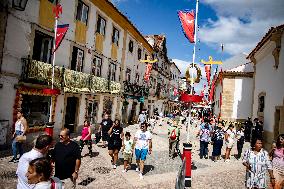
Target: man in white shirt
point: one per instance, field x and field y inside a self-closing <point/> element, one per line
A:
<point x="42" y="145"/>
<point x="143" y="146"/>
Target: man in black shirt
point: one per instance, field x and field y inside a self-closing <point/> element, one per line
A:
<point x="105" y="125"/>
<point x="67" y="158"/>
<point x="248" y="127"/>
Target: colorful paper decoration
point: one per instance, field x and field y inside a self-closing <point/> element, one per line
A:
<point x="148" y="67"/>
<point x="208" y="73"/>
<point x="57" y="10"/>
<point x="187" y="22"/>
<point x="211" y="61"/>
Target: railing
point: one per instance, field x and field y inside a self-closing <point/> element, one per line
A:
<point x="37" y="72"/>
<point x="135" y="90"/>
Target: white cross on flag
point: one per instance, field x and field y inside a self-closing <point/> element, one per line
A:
<point x="187" y="22"/>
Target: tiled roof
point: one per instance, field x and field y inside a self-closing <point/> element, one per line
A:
<point x="265" y="38"/>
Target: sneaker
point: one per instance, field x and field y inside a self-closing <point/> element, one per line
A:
<point x="124" y="170"/>
<point x="140" y="176"/>
<point x="227" y="160"/>
<point x="13" y="160"/>
<point x="114" y="167"/>
<point x="137" y="169"/>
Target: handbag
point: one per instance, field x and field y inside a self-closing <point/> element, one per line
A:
<point x="21" y="138"/>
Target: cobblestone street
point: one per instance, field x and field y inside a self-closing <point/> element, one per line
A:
<point x="160" y="171"/>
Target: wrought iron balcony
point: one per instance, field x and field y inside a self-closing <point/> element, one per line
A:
<point x="37" y="72"/>
<point x="135" y="90"/>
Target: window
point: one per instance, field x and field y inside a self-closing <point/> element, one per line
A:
<point x="97" y="66"/>
<point x="101" y="25"/>
<point x="115" y="36"/>
<point x="53" y="1"/>
<point x="77" y="59"/>
<point x="146" y="56"/>
<point x="42" y="47"/>
<point x="261" y="104"/>
<point x="137" y="77"/>
<point x="112" y="71"/>
<point x="139" y="52"/>
<point x="82" y="12"/>
<point x="154" y="84"/>
<point x="128" y="74"/>
<point x="130" y="46"/>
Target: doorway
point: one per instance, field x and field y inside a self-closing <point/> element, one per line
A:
<point x="276" y="123"/>
<point x="71" y="113"/>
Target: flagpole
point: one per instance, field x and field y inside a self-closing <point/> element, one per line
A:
<point x="193" y="63"/>
<point x="53" y="65"/>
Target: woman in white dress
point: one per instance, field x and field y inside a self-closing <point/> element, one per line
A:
<point x="256" y="161"/>
<point x="230" y="136"/>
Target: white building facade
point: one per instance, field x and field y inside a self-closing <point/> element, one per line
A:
<point x="268" y="96"/>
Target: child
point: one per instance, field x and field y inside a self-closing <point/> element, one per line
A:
<point x="127" y="149"/>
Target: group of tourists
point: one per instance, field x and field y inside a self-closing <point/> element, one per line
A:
<point x="114" y="138"/>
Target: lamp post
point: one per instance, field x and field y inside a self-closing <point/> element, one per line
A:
<point x="19" y="4"/>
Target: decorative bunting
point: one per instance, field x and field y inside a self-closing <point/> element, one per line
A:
<point x="187" y="21"/>
<point x="57" y="10"/>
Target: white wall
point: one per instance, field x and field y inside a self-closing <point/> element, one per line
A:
<point x="242" y="98"/>
<point x="269" y="80"/>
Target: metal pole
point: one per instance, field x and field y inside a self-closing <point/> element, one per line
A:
<point x="193" y="63"/>
<point x="53" y="65"/>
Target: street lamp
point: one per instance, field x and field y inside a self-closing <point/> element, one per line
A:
<point x="19" y="4"/>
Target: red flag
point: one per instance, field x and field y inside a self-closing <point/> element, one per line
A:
<point x="211" y="95"/>
<point x="60" y="34"/>
<point x="187" y="22"/>
<point x="148" y="72"/>
<point x="208" y="73"/>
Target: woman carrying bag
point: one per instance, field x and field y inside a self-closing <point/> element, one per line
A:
<point x="19" y="136"/>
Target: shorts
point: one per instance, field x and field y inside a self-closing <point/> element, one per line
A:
<point x="279" y="176"/>
<point x="141" y="154"/>
<point x="127" y="157"/>
<point x="114" y="145"/>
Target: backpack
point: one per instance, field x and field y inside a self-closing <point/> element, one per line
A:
<point x="173" y="135"/>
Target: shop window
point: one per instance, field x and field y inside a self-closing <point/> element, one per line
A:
<point x="36" y="109"/>
<point x="82" y="12"/>
<point x="97" y="66"/>
<point x="101" y="25"/>
<point x="128" y="74"/>
<point x="112" y="71"/>
<point x="77" y="59"/>
<point x="115" y="36"/>
<point x="42" y="47"/>
<point x="139" y="52"/>
<point x="130" y="46"/>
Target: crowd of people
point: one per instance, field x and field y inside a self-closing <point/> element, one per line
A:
<point x="53" y="165"/>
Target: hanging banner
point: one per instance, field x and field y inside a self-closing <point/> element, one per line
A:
<point x="208" y="73"/>
<point x="60" y="34"/>
<point x="187" y="22"/>
<point x="190" y="98"/>
<point x="221" y="77"/>
<point x="148" y="72"/>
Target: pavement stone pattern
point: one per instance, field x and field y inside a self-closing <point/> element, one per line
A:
<point x="160" y="171"/>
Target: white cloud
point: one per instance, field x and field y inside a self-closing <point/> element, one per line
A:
<point x="241" y="24"/>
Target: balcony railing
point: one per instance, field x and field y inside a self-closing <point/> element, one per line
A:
<point x="135" y="90"/>
<point x="37" y="72"/>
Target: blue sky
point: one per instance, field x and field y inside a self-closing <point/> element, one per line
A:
<point x="240" y="25"/>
